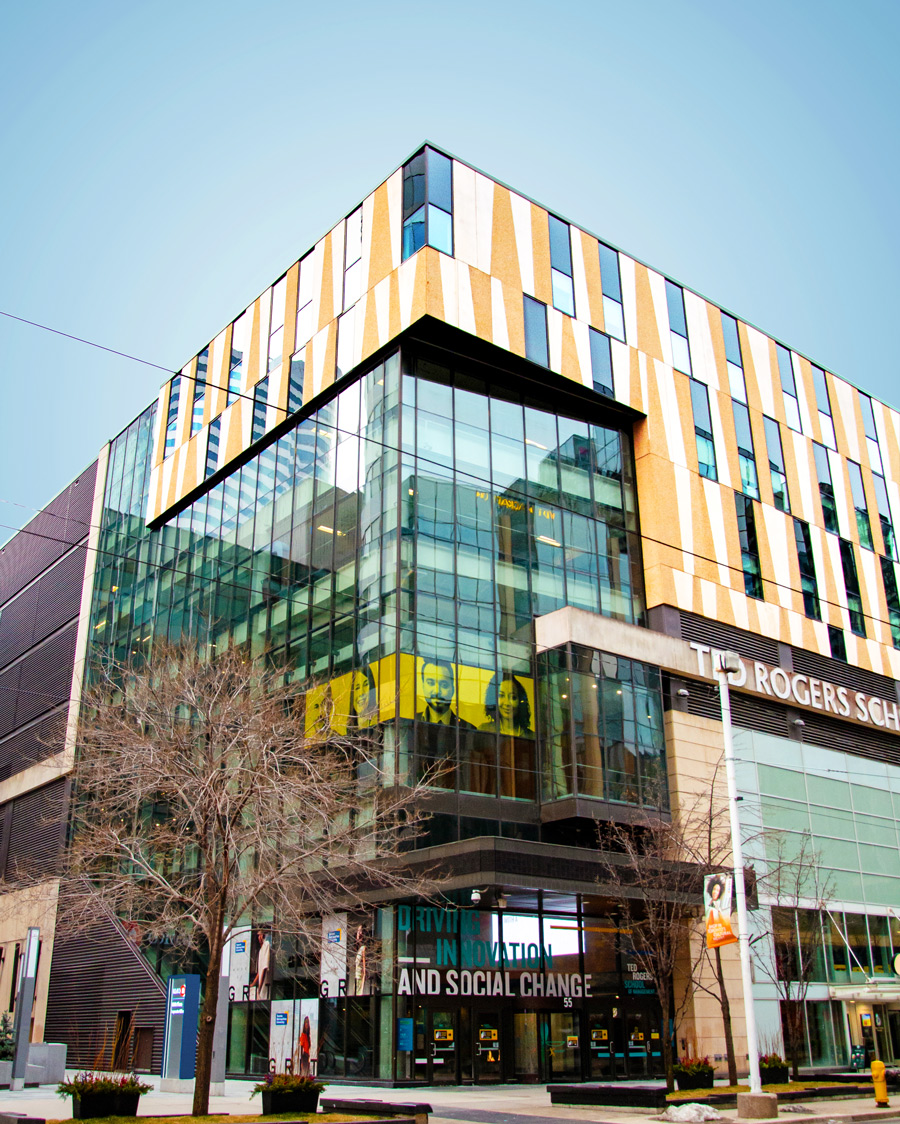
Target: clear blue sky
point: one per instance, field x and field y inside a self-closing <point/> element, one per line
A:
<point x="163" y="162"/>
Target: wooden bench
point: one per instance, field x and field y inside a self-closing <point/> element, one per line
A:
<point x="417" y="1110"/>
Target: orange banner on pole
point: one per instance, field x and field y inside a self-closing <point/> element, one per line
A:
<point x="717" y="907"/>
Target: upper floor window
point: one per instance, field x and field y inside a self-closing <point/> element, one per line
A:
<point x="884" y="516"/>
<point x="276" y="325"/>
<point x="808" y="584"/>
<point x="199" y="391"/>
<point x="859" y="505"/>
<point x="776" y="465"/>
<point x="788" y="387"/>
<point x="260" y="401"/>
<point x="826" y="488"/>
<point x="753" y="586"/>
<point x="561" y="266"/>
<point x="706" y="450"/>
<point x="868" y="416"/>
<point x="212" y="446"/>
<point x="733" y="359"/>
<point x="892" y="596"/>
<point x="837" y="643"/>
<point x="536" y="331"/>
<point x="611" y="284"/>
<point x="240" y="349"/>
<point x="428" y="203"/>
<point x="172" y="413"/>
<point x="353" y="278"/>
<point x="824" y="404"/>
<point x="851" y="584"/>
<point x="306" y="326"/>
<point x="681" y="352"/>
<point x="601" y="362"/>
<point x="749" y="481"/>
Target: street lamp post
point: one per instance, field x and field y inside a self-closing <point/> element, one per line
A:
<point x="731" y="662"/>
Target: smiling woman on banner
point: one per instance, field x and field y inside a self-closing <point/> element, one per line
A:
<point x="717" y="906"/>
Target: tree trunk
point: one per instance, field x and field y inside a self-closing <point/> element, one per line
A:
<point x="665" y="1002"/>
<point x="205" y="1037"/>
<point x="726" y="1021"/>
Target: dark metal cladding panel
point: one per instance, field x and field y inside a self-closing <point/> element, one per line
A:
<point x="701" y="630"/>
<point x="46" y="675"/>
<point x="17" y="624"/>
<point x="59" y="594"/>
<point x="856" y="678"/>
<point x="37" y="831"/>
<point x="93" y="976"/>
<point x="44" y="539"/>
<point x="34" y="743"/>
<point x="9" y="687"/>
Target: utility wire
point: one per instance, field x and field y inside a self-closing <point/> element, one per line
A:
<point x="90" y="343"/>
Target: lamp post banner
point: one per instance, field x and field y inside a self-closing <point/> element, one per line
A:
<point x="717" y="908"/>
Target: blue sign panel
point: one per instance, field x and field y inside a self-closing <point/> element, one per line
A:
<point x="182" y="1016"/>
<point x="404" y="1034"/>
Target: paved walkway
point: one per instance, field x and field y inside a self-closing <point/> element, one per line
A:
<point x="497" y="1104"/>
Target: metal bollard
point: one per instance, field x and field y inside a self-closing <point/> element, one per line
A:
<point x="878" y="1080"/>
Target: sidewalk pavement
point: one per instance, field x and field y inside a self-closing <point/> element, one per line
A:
<point x="453" y="1104"/>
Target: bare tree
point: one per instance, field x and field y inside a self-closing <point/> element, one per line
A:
<point x="206" y="798"/>
<point x="643" y="866"/>
<point x="795" y="884"/>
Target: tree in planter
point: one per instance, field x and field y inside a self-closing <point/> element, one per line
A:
<point x="204" y="798"/>
<point x="792" y="880"/>
<point x="643" y="866"/>
<point x="7" y="1038"/>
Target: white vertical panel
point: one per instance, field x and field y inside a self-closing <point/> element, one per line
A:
<point x="368" y="210"/>
<point x="703" y="358"/>
<point x="580" y="331"/>
<point x="217" y="373"/>
<point x="465" y="240"/>
<point x="466" y="304"/>
<point x="740" y="608"/>
<point x="808" y="508"/>
<point x="684" y="590"/>
<point x="484" y="221"/>
<point x="382" y="293"/>
<point x="499" y="327"/>
<point x="265" y="316"/>
<point x="337" y="266"/>
<point x="766" y="379"/>
<point x="629" y="298"/>
<point x="406" y="278"/>
<point x="800" y="385"/>
<point x="319" y="348"/>
<point x="843" y="404"/>
<point x="579" y="277"/>
<point x="521" y="213"/>
<point x="660" y="312"/>
<point x="395" y="215"/>
<point x="315" y="263"/>
<point x="685" y="509"/>
<point x="778" y="526"/>
<point x="621" y="365"/>
<point x="668" y="408"/>
<point x="713" y="495"/>
<point x="722" y="466"/>
<point x="554" y="338"/>
<point x="643" y="381"/>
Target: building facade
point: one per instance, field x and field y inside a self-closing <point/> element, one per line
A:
<point x="502" y="491"/>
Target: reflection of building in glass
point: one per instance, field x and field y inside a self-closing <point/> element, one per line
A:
<point x="497" y="493"/>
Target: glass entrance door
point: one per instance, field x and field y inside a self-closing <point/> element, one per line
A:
<point x="600" y="1045"/>
<point x="487" y="1046"/>
<point x="437" y="1047"/>
<point x="562" y="1045"/>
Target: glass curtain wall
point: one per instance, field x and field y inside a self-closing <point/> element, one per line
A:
<point x="394" y="548"/>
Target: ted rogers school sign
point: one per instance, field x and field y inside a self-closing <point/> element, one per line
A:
<point x="804" y="690"/>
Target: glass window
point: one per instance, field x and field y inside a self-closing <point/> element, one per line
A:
<point x="240" y="348"/>
<point x="851" y="583"/>
<point x="824" y="404"/>
<point x="305" y="324"/>
<point x="789" y="389"/>
<point x="610" y="283"/>
<point x="260" y="401"/>
<point x="884" y="516"/>
<point x="561" y="266"/>
<point x="889" y="577"/>
<point x="733" y="359"/>
<point x="706" y="450"/>
<point x="536" y="331"/>
<point x="868" y="416"/>
<point x="860" y="506"/>
<point x="212" y="446"/>
<point x="172" y="413"/>
<point x="753" y="585"/>
<point x="276" y="325"/>
<point x="601" y="362"/>
<point x="826" y="490"/>
<point x="749" y="482"/>
<point x="428" y="203"/>
<point x="776" y="465"/>
<point x="199" y="391"/>
<point x="808" y="583"/>
<point x="836" y="643"/>
<point x="681" y="354"/>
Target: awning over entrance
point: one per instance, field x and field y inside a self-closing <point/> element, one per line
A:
<point x="874" y="991"/>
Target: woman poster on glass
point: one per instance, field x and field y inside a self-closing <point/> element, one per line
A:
<point x="717" y="907"/>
